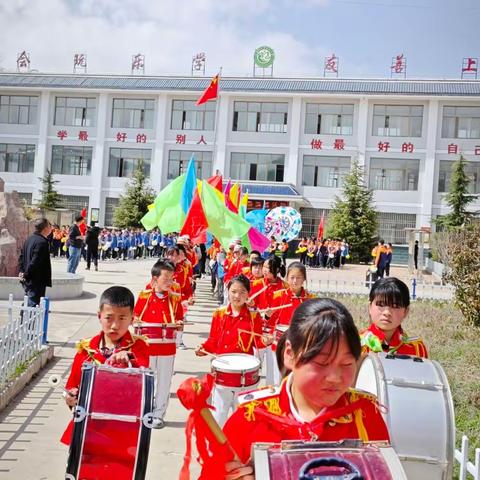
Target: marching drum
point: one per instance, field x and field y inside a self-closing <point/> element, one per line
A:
<point x="112" y="424"/>
<point x="157" y="332"/>
<point x="419" y="411"/>
<point x="348" y="459"/>
<point x="280" y="329"/>
<point x="236" y="370"/>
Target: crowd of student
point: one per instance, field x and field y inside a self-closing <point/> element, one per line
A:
<point x="324" y="253"/>
<point x="309" y="348"/>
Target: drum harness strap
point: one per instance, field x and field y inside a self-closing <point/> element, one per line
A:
<point x="244" y="348"/>
<point x="170" y="307"/>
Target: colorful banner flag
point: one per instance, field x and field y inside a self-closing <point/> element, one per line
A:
<point x="242" y="209"/>
<point x="189" y="186"/>
<point x="256" y="218"/>
<point x="321" y="228"/>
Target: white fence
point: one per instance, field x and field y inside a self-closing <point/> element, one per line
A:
<point x="421" y="290"/>
<point x="467" y="467"/>
<point x="21" y="337"/>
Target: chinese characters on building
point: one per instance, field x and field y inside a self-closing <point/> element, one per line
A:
<point x="399" y="66"/>
<point x="79" y="62"/>
<point x="138" y="64"/>
<point x="470" y="67"/>
<point x="23" y="62"/>
<point x="330" y="66"/>
<point x="198" y="63"/>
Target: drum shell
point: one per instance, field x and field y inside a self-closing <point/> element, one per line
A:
<point x="234" y="376"/>
<point x="157" y="333"/>
<point x="419" y="411"/>
<point x="111" y="434"/>
<point x="279" y="331"/>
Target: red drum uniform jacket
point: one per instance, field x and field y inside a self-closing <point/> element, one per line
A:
<point x="89" y="351"/>
<point x="236" y="268"/>
<point x="283" y="316"/>
<point x="266" y="416"/>
<point x="265" y="299"/>
<point x="373" y="340"/>
<point x="150" y="308"/>
<point x="225" y="336"/>
<point x="183" y="276"/>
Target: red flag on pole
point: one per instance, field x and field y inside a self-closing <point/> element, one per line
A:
<point x="83" y="213"/>
<point x="211" y="92"/>
<point x="320" y="228"/>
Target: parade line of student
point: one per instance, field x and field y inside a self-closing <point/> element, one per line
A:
<point x="309" y="348"/>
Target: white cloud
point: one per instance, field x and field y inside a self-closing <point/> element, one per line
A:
<point x="168" y="32"/>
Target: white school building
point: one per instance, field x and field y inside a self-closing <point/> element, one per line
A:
<point x="288" y="141"/>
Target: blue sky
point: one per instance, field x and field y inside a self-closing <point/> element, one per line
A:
<point x="434" y="35"/>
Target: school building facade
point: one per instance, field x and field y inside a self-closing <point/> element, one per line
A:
<point x="288" y="141"/>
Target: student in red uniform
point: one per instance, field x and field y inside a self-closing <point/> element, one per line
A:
<point x="314" y="402"/>
<point x="160" y="305"/>
<point x="114" y="345"/>
<point x="285" y="301"/>
<point x="256" y="272"/>
<point x="240" y="264"/>
<point x="234" y="329"/>
<point x="388" y="308"/>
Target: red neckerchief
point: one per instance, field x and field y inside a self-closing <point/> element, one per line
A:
<point x="396" y="339"/>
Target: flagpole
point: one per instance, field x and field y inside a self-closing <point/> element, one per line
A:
<point x="217" y="109"/>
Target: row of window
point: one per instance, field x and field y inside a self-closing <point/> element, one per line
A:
<point x="318" y="171"/>
<point x="269" y="117"/>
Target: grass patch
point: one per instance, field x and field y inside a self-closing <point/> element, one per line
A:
<point x="451" y="342"/>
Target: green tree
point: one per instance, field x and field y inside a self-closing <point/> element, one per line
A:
<point x="457" y="198"/>
<point x="50" y="197"/>
<point x="353" y="217"/>
<point x="133" y="205"/>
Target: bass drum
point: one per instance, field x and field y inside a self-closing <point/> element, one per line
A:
<point x="419" y="411"/>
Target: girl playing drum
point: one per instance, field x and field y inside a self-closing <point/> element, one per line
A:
<point x="320" y="351"/>
<point x="234" y="330"/>
<point x="388" y="308"/>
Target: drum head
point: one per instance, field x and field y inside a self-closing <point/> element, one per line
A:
<point x="282" y="328"/>
<point x="236" y="362"/>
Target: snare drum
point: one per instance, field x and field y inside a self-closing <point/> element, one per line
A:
<point x="236" y="370"/>
<point x="157" y="332"/>
<point x="112" y="424"/>
<point x="280" y="329"/>
<point x="419" y="414"/>
<point x="297" y="460"/>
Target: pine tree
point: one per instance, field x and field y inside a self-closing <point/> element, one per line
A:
<point x="50" y="197"/>
<point x="133" y="205"/>
<point x="353" y="217"/>
<point x="457" y="197"/>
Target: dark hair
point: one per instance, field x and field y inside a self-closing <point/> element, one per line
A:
<point x="93" y="223"/>
<point x="242" y="279"/>
<point x="40" y="224"/>
<point x="256" y="262"/>
<point x="117" y="297"/>
<point x="181" y="248"/>
<point x="391" y="291"/>
<point x="78" y="218"/>
<point x="243" y="251"/>
<point x="313" y="324"/>
<point x="300" y="266"/>
<point x="274" y="265"/>
<point x="161" y="265"/>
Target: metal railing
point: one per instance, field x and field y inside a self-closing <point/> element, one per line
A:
<point x="22" y="336"/>
<point x="467" y="467"/>
<point x="418" y="290"/>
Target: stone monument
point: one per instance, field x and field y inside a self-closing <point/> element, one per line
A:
<point x="14" y="230"/>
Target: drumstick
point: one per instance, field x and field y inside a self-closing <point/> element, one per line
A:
<point x="275" y="308"/>
<point x="255" y="295"/>
<point x="214" y="355"/>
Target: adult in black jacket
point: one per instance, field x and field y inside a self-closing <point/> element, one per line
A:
<point x="91" y="241"/>
<point x="35" y="269"/>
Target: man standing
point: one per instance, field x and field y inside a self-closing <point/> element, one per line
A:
<point x="35" y="269"/>
<point x="91" y="241"/>
<point x="75" y="239"/>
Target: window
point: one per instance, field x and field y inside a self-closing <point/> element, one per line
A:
<point x="71" y="160"/>
<point x="319" y="171"/>
<point x="394" y="174"/>
<point x="178" y="161"/>
<point x="17" y="158"/>
<point x="124" y="161"/>
<point x="311" y="219"/>
<point x="75" y="203"/>
<point x="329" y="119"/>
<point x="187" y="116"/>
<point x="26" y="197"/>
<point x="260" y="117"/>
<point x="110" y="206"/>
<point x="75" y="111"/>
<point x="18" y="109"/>
<point x="130" y="113"/>
<point x="461" y="122"/>
<point x="397" y="120"/>
<point x="472" y="169"/>
<point x="391" y="226"/>
<point x="257" y="166"/>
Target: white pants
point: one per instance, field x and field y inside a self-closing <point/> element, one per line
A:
<point x="272" y="376"/>
<point x="260" y="354"/>
<point x="162" y="365"/>
<point x="224" y="399"/>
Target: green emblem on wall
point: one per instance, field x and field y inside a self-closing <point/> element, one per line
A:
<point x="264" y="57"/>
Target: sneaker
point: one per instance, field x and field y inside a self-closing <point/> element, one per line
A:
<point x="182" y="346"/>
<point x="87" y="268"/>
<point x="158" y="423"/>
<point x="96" y="269"/>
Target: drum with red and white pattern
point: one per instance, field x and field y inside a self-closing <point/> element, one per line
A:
<point x="157" y="332"/>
